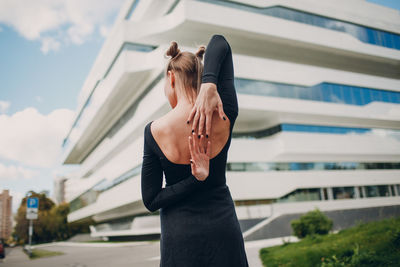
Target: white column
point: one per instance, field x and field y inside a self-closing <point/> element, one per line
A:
<point x="330" y="193"/>
<point x="356" y="192"/>
<point x="396" y="191"/>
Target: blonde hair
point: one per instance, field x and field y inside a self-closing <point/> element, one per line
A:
<point x="188" y="68"/>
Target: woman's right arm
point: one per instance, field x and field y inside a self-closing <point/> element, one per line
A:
<point x="154" y="196"/>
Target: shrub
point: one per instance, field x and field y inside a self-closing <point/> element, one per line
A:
<point x="313" y="222"/>
<point x="396" y="238"/>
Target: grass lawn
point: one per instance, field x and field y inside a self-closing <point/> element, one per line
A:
<point x="366" y="244"/>
<point x="39" y="253"/>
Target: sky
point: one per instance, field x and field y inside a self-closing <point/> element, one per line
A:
<point x="47" y="48"/>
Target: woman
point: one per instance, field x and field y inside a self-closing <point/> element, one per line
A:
<point x="199" y="226"/>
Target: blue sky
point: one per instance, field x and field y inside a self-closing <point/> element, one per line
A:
<point x="46" y="53"/>
<point x="47" y="49"/>
<point x="46" y="82"/>
<point x="388" y="3"/>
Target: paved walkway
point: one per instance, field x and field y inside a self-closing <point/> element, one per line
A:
<point x="143" y="254"/>
<point x="253" y="248"/>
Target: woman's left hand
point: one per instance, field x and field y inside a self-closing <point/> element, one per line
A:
<point x="206" y="103"/>
<point x="200" y="157"/>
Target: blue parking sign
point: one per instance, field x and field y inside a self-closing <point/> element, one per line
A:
<point x="33" y="202"/>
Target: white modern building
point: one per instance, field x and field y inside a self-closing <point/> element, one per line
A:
<point x="318" y="86"/>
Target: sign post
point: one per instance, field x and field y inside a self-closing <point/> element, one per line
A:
<point x="32" y="206"/>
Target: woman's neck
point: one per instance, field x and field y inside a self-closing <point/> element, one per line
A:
<point x="182" y="108"/>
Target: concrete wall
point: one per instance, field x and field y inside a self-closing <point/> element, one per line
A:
<point x="341" y="219"/>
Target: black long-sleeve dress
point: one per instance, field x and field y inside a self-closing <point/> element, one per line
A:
<point x="199" y="225"/>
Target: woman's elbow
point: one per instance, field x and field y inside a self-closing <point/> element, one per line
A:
<point x="149" y="206"/>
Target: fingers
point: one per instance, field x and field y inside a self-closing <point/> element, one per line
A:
<point x="191" y="148"/>
<point x="201" y="122"/>
<point x="208" y="151"/>
<point x="193" y="155"/>
<point x="208" y="124"/>
<point x="195" y="144"/>
<point x="192" y="112"/>
<point x="221" y="110"/>
<point x="202" y="148"/>
<point x="196" y="120"/>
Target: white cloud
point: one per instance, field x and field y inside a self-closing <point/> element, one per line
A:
<point x="39" y="99"/>
<point x="4" y="105"/>
<point x="48" y="44"/>
<point x="32" y="138"/>
<point x="104" y="30"/>
<point x="53" y="22"/>
<point x="13" y="172"/>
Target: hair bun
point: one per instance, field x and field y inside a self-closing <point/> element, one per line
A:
<point x="200" y="53"/>
<point x="173" y="50"/>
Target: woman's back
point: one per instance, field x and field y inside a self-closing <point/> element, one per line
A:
<point x="171" y="130"/>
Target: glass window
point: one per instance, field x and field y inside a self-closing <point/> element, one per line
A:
<point x="370" y="36"/>
<point x="388" y="40"/>
<point x="131" y="9"/>
<point x="343" y="192"/>
<point x="393" y="37"/>
<point x="284" y="91"/>
<point x="347" y="94"/>
<point x="304" y="93"/>
<point x="396" y="41"/>
<point x="316" y="93"/>
<point x="376" y="38"/>
<point x="326" y="92"/>
<point x="383" y="190"/>
<point x="362" y="33"/>
<point x="376" y="95"/>
<point x="337" y="96"/>
<point x="372" y="191"/>
<point x="294" y="166"/>
<point x="377" y="191"/>
<point x="357" y="95"/>
<point x="366" y="95"/>
<point x="237" y="166"/>
<point x="394" y="97"/>
<point x="385" y="96"/>
<point x="309" y="194"/>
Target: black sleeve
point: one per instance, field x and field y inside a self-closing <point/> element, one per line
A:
<point x="218" y="69"/>
<point x="153" y="195"/>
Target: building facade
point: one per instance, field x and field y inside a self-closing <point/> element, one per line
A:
<point x="318" y="86"/>
<point x="59" y="189"/>
<point x="5" y="215"/>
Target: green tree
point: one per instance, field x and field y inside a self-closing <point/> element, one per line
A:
<point x="52" y="223"/>
<point x="41" y="232"/>
<point x="313" y="222"/>
<point x="57" y="222"/>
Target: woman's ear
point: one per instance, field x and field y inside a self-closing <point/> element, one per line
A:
<point x="172" y="79"/>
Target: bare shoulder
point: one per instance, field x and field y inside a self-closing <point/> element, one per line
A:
<point x="160" y="126"/>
